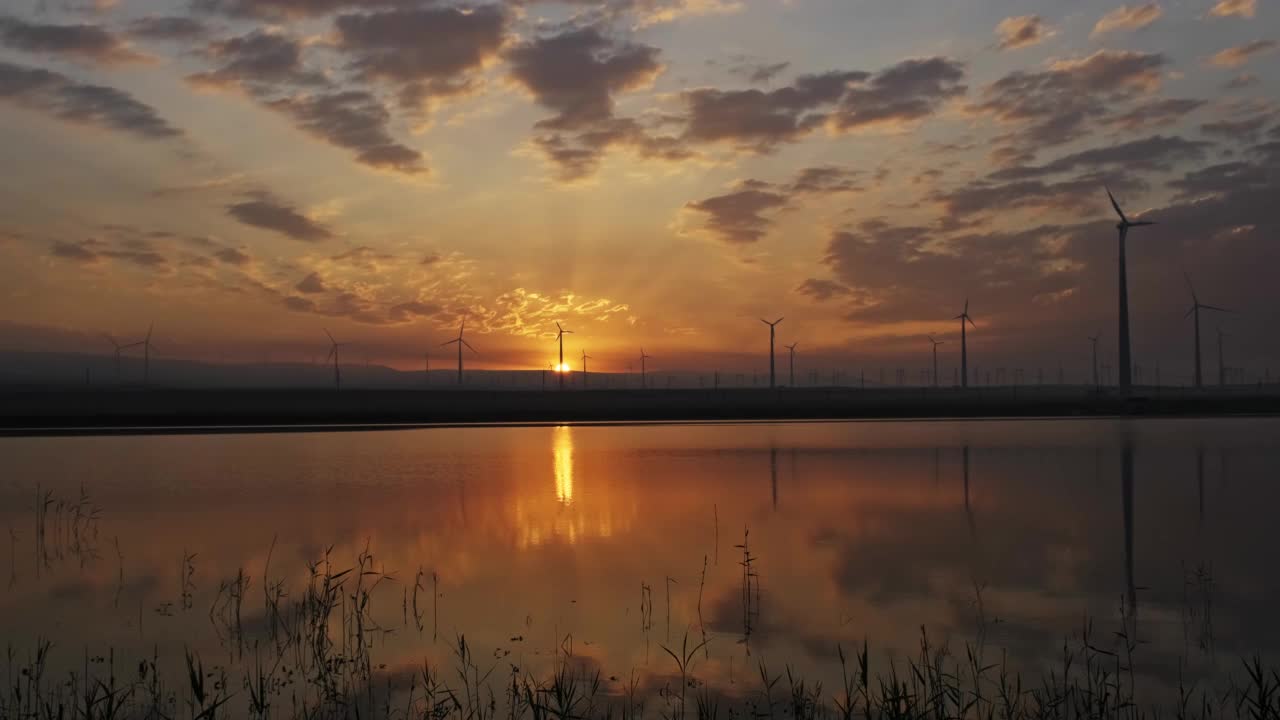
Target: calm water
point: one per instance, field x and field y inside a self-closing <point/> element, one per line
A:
<point x="547" y="537"/>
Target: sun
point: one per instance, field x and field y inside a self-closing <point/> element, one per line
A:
<point x="562" y="368"/>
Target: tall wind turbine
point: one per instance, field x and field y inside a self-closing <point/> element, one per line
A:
<point x="585" y="358"/>
<point x="333" y="354"/>
<point x="936" y="343"/>
<point x="1222" y="368"/>
<point x="1094" y="340"/>
<point x="791" y="382"/>
<point x="1126" y="365"/>
<point x="118" y="350"/>
<point x="964" y="343"/>
<point x="643" y="357"/>
<point x="772" y="326"/>
<point x="460" y="342"/>
<point x="1196" y="307"/>
<point x="146" y="355"/>
<point x="560" y="339"/>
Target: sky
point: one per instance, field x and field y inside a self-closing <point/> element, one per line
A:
<point x="246" y="174"/>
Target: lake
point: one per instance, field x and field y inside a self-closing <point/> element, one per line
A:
<point x="593" y="547"/>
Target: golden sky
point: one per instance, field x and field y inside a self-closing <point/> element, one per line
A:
<point x="656" y="173"/>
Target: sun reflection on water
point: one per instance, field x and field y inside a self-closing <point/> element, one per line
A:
<point x="562" y="448"/>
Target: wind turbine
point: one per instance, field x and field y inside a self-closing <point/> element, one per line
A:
<point x="936" y="343"/>
<point x="792" y="347"/>
<point x="585" y="358"/>
<point x="1222" y="368"/>
<point x="772" y="326"/>
<point x="333" y="353"/>
<point x="560" y="339"/>
<point x="119" y="349"/>
<point x="643" y="357"/>
<point x="146" y="355"/>
<point x="461" y="329"/>
<point x="426" y="369"/>
<point x="1094" y="339"/>
<point x="1126" y="366"/>
<point x="1196" y="307"/>
<point x="964" y="344"/>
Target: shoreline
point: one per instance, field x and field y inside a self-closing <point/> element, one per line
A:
<point x="188" y="411"/>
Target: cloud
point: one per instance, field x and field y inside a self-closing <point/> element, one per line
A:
<point x="81" y="103"/>
<point x="1157" y="152"/>
<point x="1056" y="105"/>
<point x="759" y="121"/>
<point x="1022" y="31"/>
<point x="86" y="42"/>
<point x="1128" y="18"/>
<point x="736" y="217"/>
<point x="267" y="214"/>
<point x="1241" y="54"/>
<point x="412" y="310"/>
<point x="354" y="120"/>
<point x="1221" y="178"/>
<point x="256" y="62"/>
<point x="232" y="256"/>
<point x="739" y="217"/>
<point x="287" y="9"/>
<point x="423" y="50"/>
<point x="92" y="250"/>
<point x="654" y="12"/>
<point x="1234" y="8"/>
<point x="575" y="74"/>
<point x="1242" y="130"/>
<point x="1156" y="113"/>
<point x="363" y="257"/>
<point x="757" y="73"/>
<point x="168" y="27"/>
<point x="1241" y="81"/>
<point x="311" y="284"/>
<point x="823" y="290"/>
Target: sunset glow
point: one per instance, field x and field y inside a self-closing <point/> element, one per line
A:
<point x="650" y="173"/>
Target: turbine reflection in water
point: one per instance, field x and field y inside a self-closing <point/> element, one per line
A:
<point x="562" y="450"/>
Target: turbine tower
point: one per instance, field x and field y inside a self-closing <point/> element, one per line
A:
<point x="333" y="354"/>
<point x="1094" y="339"/>
<point x="460" y="342"/>
<point x="772" y="326"/>
<point x="1222" y="368"/>
<point x="936" y="343"/>
<point x="643" y="357"/>
<point x="560" y="339"/>
<point x="1194" y="312"/>
<point x="792" y="347"/>
<point x="118" y="350"/>
<point x="146" y="355"/>
<point x="585" y="358"/>
<point x="1126" y="365"/>
<point x="964" y="343"/>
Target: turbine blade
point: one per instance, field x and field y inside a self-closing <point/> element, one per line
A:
<point x="1184" y="317"/>
<point x="559" y="328"/>
<point x="1116" y="205"/>
<point x="150" y="327"/>
<point x="450" y="342"/>
<point x="1191" y="287"/>
<point x="326" y="332"/>
<point x="464" y="342"/>
<point x="971" y="322"/>
<point x="775" y="322"/>
<point x="332" y="351"/>
<point x="1215" y="307"/>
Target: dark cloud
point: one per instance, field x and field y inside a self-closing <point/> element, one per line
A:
<point x="755" y="72"/>
<point x="736" y="217"/>
<point x="760" y="121"/>
<point x="823" y="290"/>
<point x="257" y="62"/>
<point x="299" y="304"/>
<point x="431" y="259"/>
<point x="984" y="197"/>
<point x="1056" y="105"/>
<point x="411" y="310"/>
<point x="268" y="214"/>
<point x="232" y="256"/>
<point x="1241" y="81"/>
<point x="425" y="50"/>
<point x="286" y="9"/>
<point x="94" y="105"/>
<point x="1153" y="114"/>
<point x="93" y="250"/>
<point x="1242" y="130"/>
<point x="311" y="285"/>
<point x="1221" y="178"/>
<point x="1158" y="152"/>
<point x="739" y="217"/>
<point x="575" y="74"/>
<point x="168" y="27"/>
<point x="89" y="42"/>
<point x="1021" y="32"/>
<point x="363" y="257"/>
<point x="355" y="120"/>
